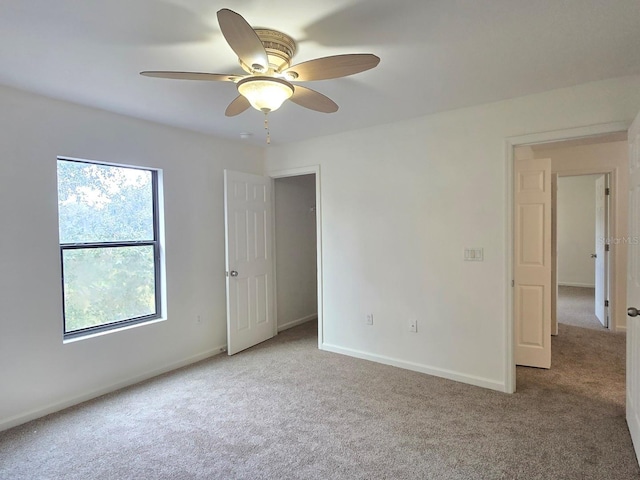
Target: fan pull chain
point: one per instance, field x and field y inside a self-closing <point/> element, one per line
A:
<point x="266" y="127"/>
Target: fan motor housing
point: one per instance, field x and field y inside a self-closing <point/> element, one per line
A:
<point x="280" y="49"/>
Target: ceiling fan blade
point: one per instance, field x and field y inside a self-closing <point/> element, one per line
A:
<point x="213" y="77"/>
<point x="305" y="97"/>
<point x="239" y="105"/>
<point x="243" y="40"/>
<point x="333" y="67"/>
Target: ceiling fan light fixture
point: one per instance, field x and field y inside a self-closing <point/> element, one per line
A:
<point x="265" y="93"/>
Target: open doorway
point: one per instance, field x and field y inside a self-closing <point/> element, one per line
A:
<point x="582" y="237"/>
<point x="579" y="356"/>
<point x="536" y="164"/>
<point x="296" y="250"/>
<point x="604" y="159"/>
<point x="257" y="307"/>
<point x="297" y="229"/>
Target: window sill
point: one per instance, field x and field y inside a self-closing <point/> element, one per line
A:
<point x="110" y="331"/>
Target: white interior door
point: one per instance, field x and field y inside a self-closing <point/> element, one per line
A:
<point x="532" y="262"/>
<point x="633" y="288"/>
<point x="601" y="259"/>
<point x="249" y="260"/>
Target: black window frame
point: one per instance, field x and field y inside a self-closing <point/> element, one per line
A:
<point x="120" y="244"/>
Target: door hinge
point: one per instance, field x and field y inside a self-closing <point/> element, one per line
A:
<point x="607" y="191"/>
<point x="513" y="283"/>
<point x="606" y="247"/>
<point x="606" y="303"/>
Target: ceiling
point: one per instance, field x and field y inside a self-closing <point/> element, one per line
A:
<point x="435" y="55"/>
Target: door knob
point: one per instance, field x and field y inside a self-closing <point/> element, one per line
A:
<point x="594" y="255"/>
<point x="233" y="273"/>
<point x="633" y="312"/>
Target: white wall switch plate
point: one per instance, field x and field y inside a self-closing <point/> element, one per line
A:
<point x="473" y="254"/>
<point x="369" y="318"/>
<point x="413" y="326"/>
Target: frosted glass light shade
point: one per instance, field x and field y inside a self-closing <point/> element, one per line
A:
<point x="265" y="93"/>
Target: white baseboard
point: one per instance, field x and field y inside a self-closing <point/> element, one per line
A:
<point x="297" y="322"/>
<point x="621" y="328"/>
<point x="417" y="367"/>
<point x="570" y="284"/>
<point x="75" y="400"/>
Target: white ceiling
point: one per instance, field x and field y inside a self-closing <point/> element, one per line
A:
<point x="435" y="55"/>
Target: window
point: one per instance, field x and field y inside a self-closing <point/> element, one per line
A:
<point x="108" y="218"/>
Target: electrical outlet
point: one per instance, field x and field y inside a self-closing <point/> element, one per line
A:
<point x="413" y="326"/>
<point x="369" y="318"/>
<point x="198" y="319"/>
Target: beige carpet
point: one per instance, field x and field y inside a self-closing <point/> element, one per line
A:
<point x="576" y="306"/>
<point x="285" y="410"/>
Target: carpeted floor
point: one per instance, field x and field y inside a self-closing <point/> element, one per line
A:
<point x="576" y="306"/>
<point x="285" y="410"/>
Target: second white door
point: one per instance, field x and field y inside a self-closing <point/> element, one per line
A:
<point x="249" y="260"/>
<point x="532" y="262"/>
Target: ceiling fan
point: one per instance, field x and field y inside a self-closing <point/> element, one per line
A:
<point x="265" y="55"/>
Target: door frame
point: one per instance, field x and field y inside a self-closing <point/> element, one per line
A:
<point x="510" y="144"/>
<point x="296" y="172"/>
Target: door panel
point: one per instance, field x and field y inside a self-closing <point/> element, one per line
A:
<point x="532" y="230"/>
<point x="633" y="288"/>
<point x="250" y="307"/>
<point x="532" y="265"/>
<point x="531" y="309"/>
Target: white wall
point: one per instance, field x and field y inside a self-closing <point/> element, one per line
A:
<point x="38" y="373"/>
<point x="576" y="230"/>
<point x="401" y="201"/>
<point x="295" y="235"/>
